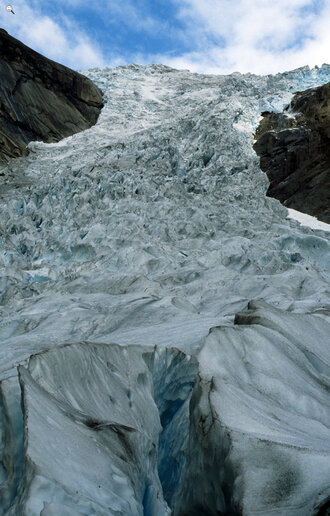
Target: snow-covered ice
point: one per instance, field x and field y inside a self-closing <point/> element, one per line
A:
<point x="126" y="253"/>
<point x="308" y="220"/>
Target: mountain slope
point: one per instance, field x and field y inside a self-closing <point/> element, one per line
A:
<point x="294" y="152"/>
<point x="40" y="99"/>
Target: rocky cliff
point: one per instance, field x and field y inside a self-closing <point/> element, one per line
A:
<point x="294" y="151"/>
<point x="40" y="99"/>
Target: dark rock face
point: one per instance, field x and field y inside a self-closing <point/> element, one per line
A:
<point x="40" y="99"/>
<point x="294" y="150"/>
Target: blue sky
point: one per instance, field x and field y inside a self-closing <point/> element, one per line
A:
<point x="207" y="36"/>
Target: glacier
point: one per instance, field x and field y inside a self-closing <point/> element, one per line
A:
<point x="164" y="325"/>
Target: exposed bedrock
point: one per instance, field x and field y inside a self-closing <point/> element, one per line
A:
<point x="241" y="429"/>
<point x="40" y="99"/>
<point x="294" y="150"/>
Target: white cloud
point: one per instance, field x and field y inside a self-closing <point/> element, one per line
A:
<point x="259" y="36"/>
<point x="64" y="43"/>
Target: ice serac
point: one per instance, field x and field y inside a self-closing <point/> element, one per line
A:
<point x="294" y="150"/>
<point x="259" y="435"/>
<point x="11" y="441"/>
<point x="40" y="99"/>
<point x="109" y="417"/>
<point x="91" y="407"/>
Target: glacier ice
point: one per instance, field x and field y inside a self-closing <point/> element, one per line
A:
<point x="260" y="417"/>
<point x="90" y="406"/>
<point x="117" y="416"/>
<point x="168" y="321"/>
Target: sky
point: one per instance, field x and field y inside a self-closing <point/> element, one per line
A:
<point x="205" y="36"/>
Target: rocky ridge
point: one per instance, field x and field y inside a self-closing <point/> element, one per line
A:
<point x="294" y="150"/>
<point x="40" y="99"/>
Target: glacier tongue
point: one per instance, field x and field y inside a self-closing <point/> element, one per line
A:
<point x="126" y="252"/>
